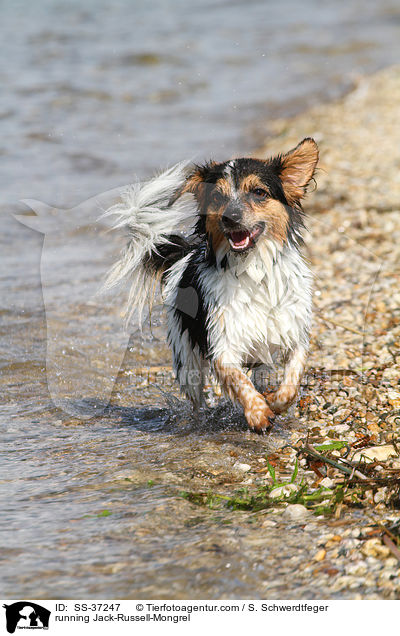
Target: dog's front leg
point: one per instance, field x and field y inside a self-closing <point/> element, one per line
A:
<point x="240" y="388"/>
<point x="287" y="392"/>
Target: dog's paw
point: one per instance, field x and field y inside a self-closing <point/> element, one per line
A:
<point x="259" y="416"/>
<point x="280" y="401"/>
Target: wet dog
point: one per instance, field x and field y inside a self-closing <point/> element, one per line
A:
<point x="224" y="241"/>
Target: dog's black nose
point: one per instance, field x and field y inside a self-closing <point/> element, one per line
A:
<point x="232" y="217"/>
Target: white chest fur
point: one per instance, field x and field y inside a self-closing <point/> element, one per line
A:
<point x="259" y="303"/>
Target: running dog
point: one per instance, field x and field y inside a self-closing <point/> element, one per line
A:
<point x="224" y="241"/>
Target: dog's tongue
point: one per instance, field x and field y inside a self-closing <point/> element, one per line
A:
<point x="240" y="238"/>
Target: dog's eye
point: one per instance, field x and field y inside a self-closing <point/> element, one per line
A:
<point x="260" y="193"/>
<point x="216" y="197"/>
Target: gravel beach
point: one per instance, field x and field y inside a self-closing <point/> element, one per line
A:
<point x="353" y="246"/>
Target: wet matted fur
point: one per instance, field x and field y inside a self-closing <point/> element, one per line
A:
<point x="224" y="241"/>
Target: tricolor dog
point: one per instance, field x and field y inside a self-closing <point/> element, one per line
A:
<point x="224" y="241"/>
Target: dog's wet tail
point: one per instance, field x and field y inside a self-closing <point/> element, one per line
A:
<point x="159" y="227"/>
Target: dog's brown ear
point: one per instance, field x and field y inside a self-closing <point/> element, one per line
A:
<point x="297" y="169"/>
<point x="193" y="184"/>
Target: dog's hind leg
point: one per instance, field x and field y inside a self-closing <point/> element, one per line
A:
<point x="240" y="388"/>
<point x="189" y="367"/>
<point x="287" y="392"/>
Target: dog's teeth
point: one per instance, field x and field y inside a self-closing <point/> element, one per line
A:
<point x="240" y="244"/>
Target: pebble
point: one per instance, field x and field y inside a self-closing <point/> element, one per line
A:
<point x="327" y="482"/>
<point x="268" y="523"/>
<point x="243" y="467"/>
<point x="392" y="562"/>
<point x="343" y="582"/>
<point x="380" y="453"/>
<point x="374" y="563"/>
<point x="341" y="428"/>
<point x="309" y="527"/>
<point x="357" y="569"/>
<point x="375" y="548"/>
<point x="350" y="544"/>
<point x="394" y="399"/>
<point x="283" y="491"/>
<point x="391" y="374"/>
<point x="333" y="541"/>
<point x="380" y="495"/>
<point x="296" y="512"/>
<point x="320" y="555"/>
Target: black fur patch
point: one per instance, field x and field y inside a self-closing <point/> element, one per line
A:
<point x="190" y="307"/>
<point x="167" y="254"/>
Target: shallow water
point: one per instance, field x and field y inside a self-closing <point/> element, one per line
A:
<point x="94" y="93"/>
<point x="92" y="507"/>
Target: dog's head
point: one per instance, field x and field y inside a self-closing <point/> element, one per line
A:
<point x="243" y="200"/>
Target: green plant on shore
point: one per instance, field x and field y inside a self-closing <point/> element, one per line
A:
<point x="321" y="500"/>
<point x="352" y="484"/>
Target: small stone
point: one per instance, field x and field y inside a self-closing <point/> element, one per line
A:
<point x="333" y="541"/>
<point x="387" y="574"/>
<point x="342" y="582"/>
<point x="310" y="527"/>
<point x="268" y="523"/>
<point x="283" y="491"/>
<point x="296" y="512"/>
<point x="327" y="482"/>
<point x="358" y="568"/>
<point x="380" y="453"/>
<point x="391" y="374"/>
<point x="394" y="399"/>
<point x="375" y="548"/>
<point x="243" y="467"/>
<point x="391" y="562"/>
<point x="320" y="556"/>
<point x="341" y="428"/>
<point x="350" y="544"/>
<point x="341" y="414"/>
<point x="380" y="495"/>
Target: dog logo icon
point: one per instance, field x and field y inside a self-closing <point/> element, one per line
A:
<point x="26" y="615"/>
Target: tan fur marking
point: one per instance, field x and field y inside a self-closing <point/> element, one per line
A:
<point x="214" y="215"/>
<point x="240" y="388"/>
<point x="274" y="214"/>
<point x="213" y="228"/>
<point x="251" y="182"/>
<point x="287" y="392"/>
<point x="224" y="187"/>
<point x="195" y="185"/>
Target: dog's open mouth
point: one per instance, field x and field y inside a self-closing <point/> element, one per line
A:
<point x="241" y="240"/>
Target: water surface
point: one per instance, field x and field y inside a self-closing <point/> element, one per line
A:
<point x="94" y="93"/>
